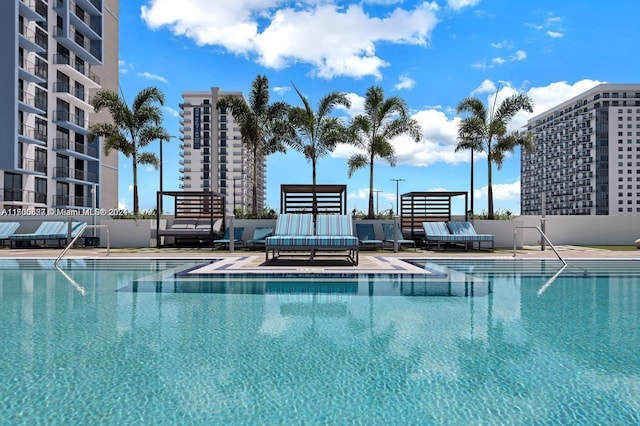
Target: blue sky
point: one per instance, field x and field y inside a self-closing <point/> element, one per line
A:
<point x="432" y="54"/>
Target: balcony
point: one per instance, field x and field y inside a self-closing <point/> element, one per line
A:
<point x="66" y="173"/>
<point x="32" y="166"/>
<point x="88" y="23"/>
<point x="24" y="196"/>
<point x="87" y="151"/>
<point x="34" y="105"/>
<point x="31" y="40"/>
<point x="31" y="135"/>
<point x="33" y="10"/>
<point x="33" y="73"/>
<point x="72" y="201"/>
<point x="79" y="71"/>
<point x="77" y="123"/>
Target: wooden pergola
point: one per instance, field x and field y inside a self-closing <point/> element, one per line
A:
<point x="325" y="199"/>
<point x="427" y="206"/>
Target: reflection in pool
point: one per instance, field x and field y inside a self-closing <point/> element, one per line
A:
<point x="363" y="349"/>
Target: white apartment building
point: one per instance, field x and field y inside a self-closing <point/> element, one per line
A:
<point x="213" y="157"/>
<point x="587" y="155"/>
<point x="57" y="53"/>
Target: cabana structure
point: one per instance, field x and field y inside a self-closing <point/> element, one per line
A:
<point x="314" y="199"/>
<point x="429" y="206"/>
<point x="198" y="217"/>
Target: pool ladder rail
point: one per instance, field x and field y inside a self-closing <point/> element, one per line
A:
<point x="543" y="235"/>
<point x="77" y="286"/>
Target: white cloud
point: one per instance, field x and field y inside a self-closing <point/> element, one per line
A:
<point x="171" y="111"/>
<point x="123" y="67"/>
<point x="281" y="90"/>
<point x="555" y="34"/>
<point x="459" y="4"/>
<point x="130" y="188"/>
<point x="439" y="130"/>
<point x="405" y="83"/>
<point x="503" y="45"/>
<point x="487" y="86"/>
<point x="149" y="76"/>
<point x="333" y="40"/>
<point x="501" y="192"/>
<point x="122" y="205"/>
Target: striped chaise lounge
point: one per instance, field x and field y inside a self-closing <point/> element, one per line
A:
<point x="334" y="232"/>
<point x="7" y="229"/>
<point x="438" y="233"/>
<point x="466" y="229"/>
<point x="293" y="232"/>
<point x="50" y="231"/>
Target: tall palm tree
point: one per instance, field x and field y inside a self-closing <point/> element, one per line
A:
<point x="469" y="139"/>
<point x="488" y="131"/>
<point x="383" y="120"/>
<point x="131" y="129"/>
<point x="263" y="126"/>
<point x="317" y="133"/>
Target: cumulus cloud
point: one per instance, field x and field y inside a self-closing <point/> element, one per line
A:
<point x="335" y="41"/>
<point x="405" y="83"/>
<point x="281" y="90"/>
<point x="171" y="111"/>
<point x="440" y="129"/>
<point x="459" y="4"/>
<point x="501" y="192"/>
<point x="555" y="34"/>
<point x="149" y="76"/>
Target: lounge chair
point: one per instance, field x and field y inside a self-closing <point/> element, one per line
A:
<point x="237" y="237"/>
<point x="294" y="232"/>
<point x="7" y="229"/>
<point x="259" y="237"/>
<point x="466" y="229"/>
<point x="50" y="231"/>
<point x="367" y="236"/>
<point x="439" y="233"/>
<point x="334" y="232"/>
<point x="387" y="229"/>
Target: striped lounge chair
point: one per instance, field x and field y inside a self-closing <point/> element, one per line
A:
<point x="7" y="229"/>
<point x="466" y="229"/>
<point x="438" y="233"/>
<point x="293" y="232"/>
<point x="50" y="231"/>
<point x="334" y="232"/>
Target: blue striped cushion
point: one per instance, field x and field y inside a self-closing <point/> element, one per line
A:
<point x="290" y="241"/>
<point x="294" y="224"/>
<point x="461" y="228"/>
<point x="334" y="225"/>
<point x="325" y="241"/>
<point x="438" y="229"/>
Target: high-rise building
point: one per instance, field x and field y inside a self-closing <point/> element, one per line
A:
<point x="57" y="54"/>
<point x="213" y="156"/>
<point x="587" y="155"/>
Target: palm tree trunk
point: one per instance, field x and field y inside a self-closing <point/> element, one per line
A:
<point x="371" y="215"/>
<point x="490" y="187"/>
<point x="136" y="206"/>
<point x="254" y="189"/>
<point x="471" y="193"/>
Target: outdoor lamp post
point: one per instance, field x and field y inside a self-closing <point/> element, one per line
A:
<point x="377" y="191"/>
<point x="397" y="180"/>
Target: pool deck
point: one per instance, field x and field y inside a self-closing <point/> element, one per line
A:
<point x="253" y="261"/>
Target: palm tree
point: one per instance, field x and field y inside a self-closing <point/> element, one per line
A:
<point x="131" y="129"/>
<point x="317" y="133"/>
<point x="263" y="126"/>
<point x="383" y="120"/>
<point x="486" y="131"/>
<point x="469" y="139"/>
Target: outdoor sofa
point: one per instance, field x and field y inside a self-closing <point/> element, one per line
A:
<point x="295" y="232"/>
<point x="461" y="233"/>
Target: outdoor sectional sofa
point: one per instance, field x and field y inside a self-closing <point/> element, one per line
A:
<point x="461" y="233"/>
<point x="295" y="232"/>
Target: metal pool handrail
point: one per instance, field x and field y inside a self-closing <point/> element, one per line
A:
<point x="541" y="234"/>
<point x="78" y="236"/>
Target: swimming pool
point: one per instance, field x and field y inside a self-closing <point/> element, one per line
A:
<point x="482" y="342"/>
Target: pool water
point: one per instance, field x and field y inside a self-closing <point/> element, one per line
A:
<point x="481" y="342"/>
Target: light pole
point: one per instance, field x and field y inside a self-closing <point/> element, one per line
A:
<point x="234" y="194"/>
<point x="397" y="193"/>
<point x="168" y="138"/>
<point x="377" y="191"/>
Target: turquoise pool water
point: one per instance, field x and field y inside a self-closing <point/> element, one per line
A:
<point x="489" y="342"/>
